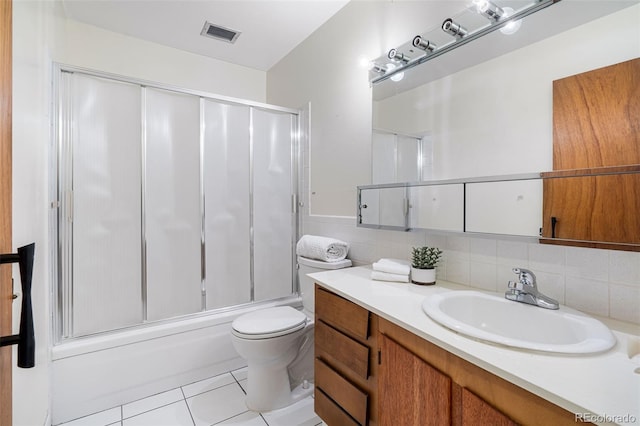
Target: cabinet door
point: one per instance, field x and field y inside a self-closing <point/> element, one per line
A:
<point x="595" y="120"/>
<point x="411" y="392"/>
<point x="593" y="208"/>
<point x="476" y="411"/>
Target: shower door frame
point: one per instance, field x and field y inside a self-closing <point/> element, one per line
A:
<point x="61" y="201"/>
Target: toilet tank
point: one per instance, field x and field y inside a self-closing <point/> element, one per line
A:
<point x="309" y="266"/>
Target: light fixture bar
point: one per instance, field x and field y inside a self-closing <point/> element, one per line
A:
<point x="472" y="35"/>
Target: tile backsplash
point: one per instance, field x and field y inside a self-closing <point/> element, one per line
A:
<point x="600" y="282"/>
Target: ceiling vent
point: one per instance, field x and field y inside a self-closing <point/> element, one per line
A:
<point x="219" y="33"/>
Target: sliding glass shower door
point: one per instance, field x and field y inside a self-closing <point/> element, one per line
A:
<point x="227" y="203"/>
<point x="172" y="203"/>
<point x="102" y="203"/>
<point x="169" y="203"/>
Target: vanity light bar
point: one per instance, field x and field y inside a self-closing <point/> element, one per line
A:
<point x="463" y="36"/>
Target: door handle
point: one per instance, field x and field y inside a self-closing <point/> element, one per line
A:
<point x="554" y="222"/>
<point x="26" y="338"/>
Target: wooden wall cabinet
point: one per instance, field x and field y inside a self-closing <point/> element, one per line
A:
<point x="596" y="151"/>
<point x="599" y="208"/>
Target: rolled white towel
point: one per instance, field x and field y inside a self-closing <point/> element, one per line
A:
<point x="392" y="266"/>
<point x="385" y="276"/>
<point x="322" y="248"/>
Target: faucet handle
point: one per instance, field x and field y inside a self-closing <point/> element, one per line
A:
<point x="526" y="277"/>
<point x="516" y="287"/>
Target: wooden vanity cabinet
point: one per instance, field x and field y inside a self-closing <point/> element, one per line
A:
<point x="370" y="371"/>
<point x="345" y="361"/>
<point x="422" y="384"/>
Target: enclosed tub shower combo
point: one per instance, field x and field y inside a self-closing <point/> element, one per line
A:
<point x="174" y="212"/>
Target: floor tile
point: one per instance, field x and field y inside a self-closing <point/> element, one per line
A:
<point x="102" y="418"/>
<point x="217" y="405"/>
<point x="208" y="384"/>
<point x="249" y="418"/>
<point x="301" y="414"/>
<point x="151" y="403"/>
<point x="243" y="385"/>
<point x="240" y="373"/>
<point x="176" y="414"/>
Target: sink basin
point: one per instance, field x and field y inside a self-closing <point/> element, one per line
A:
<point x="498" y="320"/>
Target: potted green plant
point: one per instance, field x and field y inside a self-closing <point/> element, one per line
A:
<point x="423" y="264"/>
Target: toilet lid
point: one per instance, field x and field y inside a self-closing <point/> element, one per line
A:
<point x="270" y="322"/>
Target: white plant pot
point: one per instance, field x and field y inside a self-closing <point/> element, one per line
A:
<point x="423" y="276"/>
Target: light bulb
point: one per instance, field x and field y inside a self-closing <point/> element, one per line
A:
<point x="512" y="26"/>
<point x="488" y="9"/>
<point x="396" y="77"/>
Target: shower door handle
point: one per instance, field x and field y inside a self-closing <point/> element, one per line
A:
<point x="26" y="338"/>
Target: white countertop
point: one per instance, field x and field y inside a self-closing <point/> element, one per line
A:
<point x="606" y="385"/>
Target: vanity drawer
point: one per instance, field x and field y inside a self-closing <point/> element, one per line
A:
<point x="330" y="412"/>
<point x="342" y="314"/>
<point x="342" y="392"/>
<point x="332" y="344"/>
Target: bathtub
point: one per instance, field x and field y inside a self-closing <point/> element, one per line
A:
<point x="97" y="373"/>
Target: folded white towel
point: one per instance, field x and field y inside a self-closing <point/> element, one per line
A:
<point x="385" y="276"/>
<point x="322" y="248"/>
<point x="392" y="266"/>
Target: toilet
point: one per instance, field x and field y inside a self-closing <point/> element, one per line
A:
<point x="278" y="345"/>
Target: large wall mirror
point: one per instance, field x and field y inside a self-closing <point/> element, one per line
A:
<point x="487" y="108"/>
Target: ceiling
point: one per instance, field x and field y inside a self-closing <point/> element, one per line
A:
<point x="269" y="29"/>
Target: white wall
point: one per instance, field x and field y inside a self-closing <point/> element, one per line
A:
<point x="41" y="36"/>
<point x="92" y="47"/>
<point x="323" y="71"/>
<point x="600" y="282"/>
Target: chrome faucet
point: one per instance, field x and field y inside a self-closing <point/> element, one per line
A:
<point x="526" y="290"/>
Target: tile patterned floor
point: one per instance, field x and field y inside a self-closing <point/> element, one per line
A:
<point x="218" y="400"/>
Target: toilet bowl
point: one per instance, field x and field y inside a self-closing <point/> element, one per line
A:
<point x="278" y="346"/>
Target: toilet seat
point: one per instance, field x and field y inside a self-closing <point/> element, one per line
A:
<point x="269" y="323"/>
